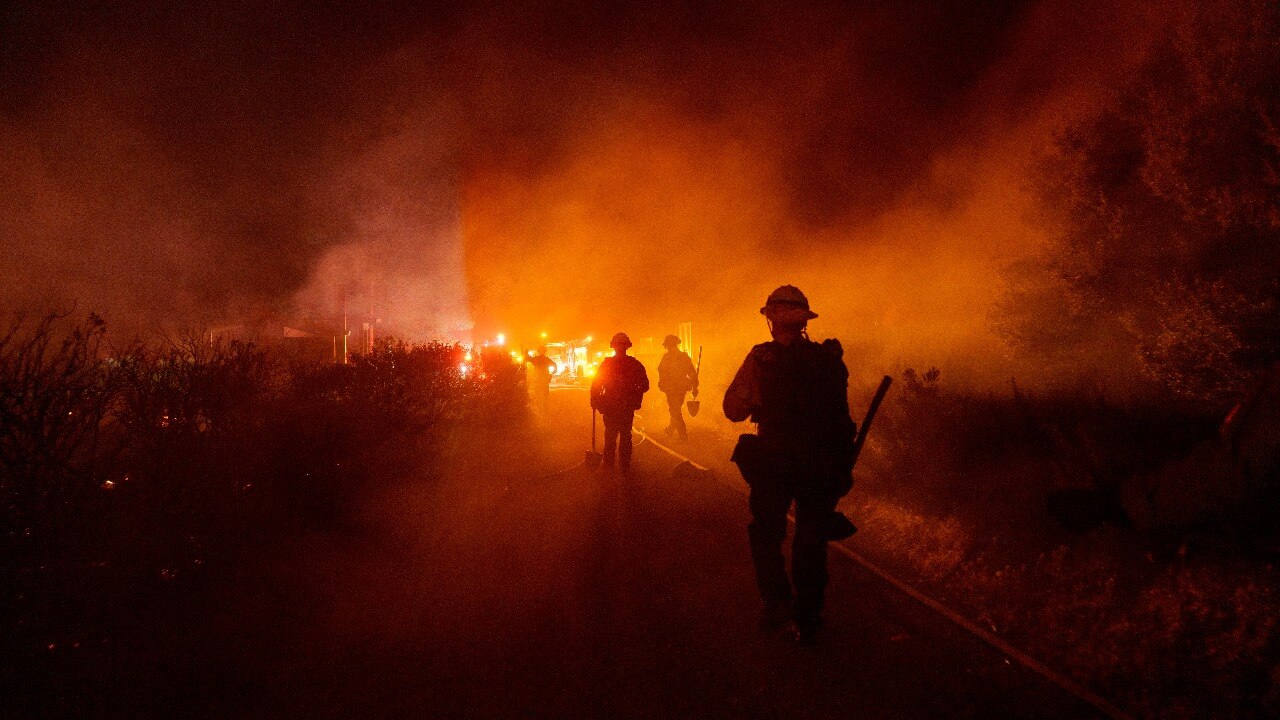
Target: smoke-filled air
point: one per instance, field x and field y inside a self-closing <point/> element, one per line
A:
<point x="556" y="168"/>
<point x="924" y="357"/>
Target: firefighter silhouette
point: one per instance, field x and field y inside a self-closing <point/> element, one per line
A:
<point x="541" y="368"/>
<point x="676" y="378"/>
<point x="616" y="392"/>
<point x="795" y="390"/>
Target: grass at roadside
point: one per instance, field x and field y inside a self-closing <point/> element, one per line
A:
<point x="954" y="494"/>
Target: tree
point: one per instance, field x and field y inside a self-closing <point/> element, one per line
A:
<point x="1164" y="212"/>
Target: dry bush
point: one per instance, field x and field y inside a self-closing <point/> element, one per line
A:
<point x="1176" y="624"/>
<point x="134" y="476"/>
<point x="342" y="427"/>
<point x="58" y="400"/>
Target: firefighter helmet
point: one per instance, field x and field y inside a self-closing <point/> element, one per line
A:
<point x="671" y="341"/>
<point x="620" y="341"/>
<point x="787" y="305"/>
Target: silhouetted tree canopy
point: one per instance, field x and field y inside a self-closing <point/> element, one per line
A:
<point x="1164" y="213"/>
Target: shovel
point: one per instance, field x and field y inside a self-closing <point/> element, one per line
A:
<point x="695" y="404"/>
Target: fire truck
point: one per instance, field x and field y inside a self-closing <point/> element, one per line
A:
<point x="576" y="361"/>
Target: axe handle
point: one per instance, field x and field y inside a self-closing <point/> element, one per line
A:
<point x="871" y="415"/>
<point x="697" y="371"/>
<point x="593" y="430"/>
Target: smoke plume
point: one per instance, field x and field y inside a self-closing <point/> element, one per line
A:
<point x="553" y="167"/>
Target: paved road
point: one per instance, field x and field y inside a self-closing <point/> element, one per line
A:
<point x="509" y="593"/>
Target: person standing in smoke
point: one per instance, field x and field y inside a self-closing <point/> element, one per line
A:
<point x="676" y="377"/>
<point x="796" y="391"/>
<point x="616" y="392"/>
<point x="541" y="368"/>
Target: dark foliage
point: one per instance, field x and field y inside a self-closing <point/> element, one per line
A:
<point x="1162" y="209"/>
<point x="131" y="477"/>
<point x="1090" y="441"/>
<point x="1008" y="505"/>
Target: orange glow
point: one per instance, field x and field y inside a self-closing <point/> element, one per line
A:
<point x="703" y="230"/>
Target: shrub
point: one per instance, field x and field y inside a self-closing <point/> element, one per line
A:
<point x="58" y="402"/>
<point x="1160" y="207"/>
<point x="129" y="474"/>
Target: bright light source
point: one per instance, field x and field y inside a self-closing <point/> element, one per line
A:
<point x="544" y="336"/>
<point x="502" y="339"/>
<point x="531" y="353"/>
<point x="588" y="338"/>
<point x="463" y="369"/>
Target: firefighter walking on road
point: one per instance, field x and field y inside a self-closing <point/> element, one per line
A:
<point x="796" y="391"/>
<point x="540" y="369"/>
<point x="616" y="392"/>
<point x="676" y="378"/>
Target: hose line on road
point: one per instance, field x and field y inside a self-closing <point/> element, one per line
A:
<point x="1097" y="701"/>
<point x="582" y="463"/>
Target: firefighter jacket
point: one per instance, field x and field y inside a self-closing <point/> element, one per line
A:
<point x="798" y="395"/>
<point x="676" y="374"/>
<point x="619" y="385"/>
